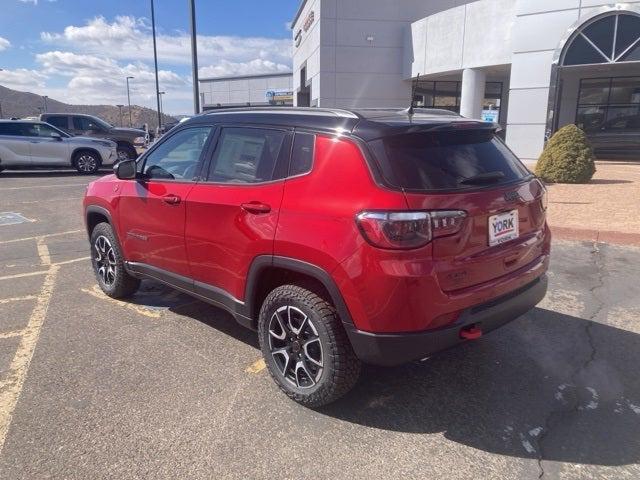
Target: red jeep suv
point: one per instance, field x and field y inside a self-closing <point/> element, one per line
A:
<point x="377" y="236"/>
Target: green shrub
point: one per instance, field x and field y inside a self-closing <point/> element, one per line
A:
<point x="567" y="158"/>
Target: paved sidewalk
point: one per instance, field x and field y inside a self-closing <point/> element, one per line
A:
<point x="605" y="210"/>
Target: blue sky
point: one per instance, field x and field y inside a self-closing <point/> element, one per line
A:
<point x="80" y="51"/>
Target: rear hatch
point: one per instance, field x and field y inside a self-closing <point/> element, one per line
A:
<point x="466" y="168"/>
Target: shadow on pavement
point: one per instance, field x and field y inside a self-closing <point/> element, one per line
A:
<point x="548" y="386"/>
<point x="535" y="389"/>
<point x="606" y="181"/>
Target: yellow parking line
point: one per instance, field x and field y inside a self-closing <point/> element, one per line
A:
<point x="67" y="262"/>
<point x="96" y="292"/>
<point x="29" y="187"/>
<point x="43" y="252"/>
<point x="257" y="366"/>
<point x="16" y="299"/>
<point x="36" y="237"/>
<point x="11" y="387"/>
<point x="11" y="334"/>
<point x="21" y="275"/>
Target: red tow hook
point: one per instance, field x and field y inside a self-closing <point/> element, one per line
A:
<point x="471" y="333"/>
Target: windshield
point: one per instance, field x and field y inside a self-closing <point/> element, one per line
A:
<point x="446" y="160"/>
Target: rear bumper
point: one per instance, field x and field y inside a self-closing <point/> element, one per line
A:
<point x="396" y="349"/>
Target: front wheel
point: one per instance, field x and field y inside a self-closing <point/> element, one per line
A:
<point x="108" y="264"/>
<point x="126" y="152"/>
<point x="87" y="162"/>
<point x="305" y="346"/>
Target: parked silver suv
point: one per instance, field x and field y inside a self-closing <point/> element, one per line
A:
<point x="37" y="144"/>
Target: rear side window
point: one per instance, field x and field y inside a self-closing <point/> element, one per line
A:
<point x="446" y="160"/>
<point x="248" y="155"/>
<point x="58" y="121"/>
<point x="12" y="129"/>
<point x="302" y="154"/>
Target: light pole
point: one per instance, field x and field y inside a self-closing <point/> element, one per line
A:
<point x="194" y="58"/>
<point x="155" y="60"/>
<point x="45" y="103"/>
<point x="160" y="94"/>
<point x="120" y="108"/>
<point x="129" y="101"/>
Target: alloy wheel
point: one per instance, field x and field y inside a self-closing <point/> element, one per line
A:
<point x="86" y="163"/>
<point x="123" y="155"/>
<point x="295" y="347"/>
<point x="105" y="260"/>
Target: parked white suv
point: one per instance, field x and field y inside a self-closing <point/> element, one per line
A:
<point x="25" y="143"/>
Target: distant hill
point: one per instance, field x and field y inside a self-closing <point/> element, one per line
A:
<point x="18" y="104"/>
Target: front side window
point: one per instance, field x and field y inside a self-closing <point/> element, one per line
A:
<point x="60" y="122"/>
<point x="248" y="155"/>
<point x="177" y="157"/>
<point x="42" y="130"/>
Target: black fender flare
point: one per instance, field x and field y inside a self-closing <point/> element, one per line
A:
<point x="262" y="262"/>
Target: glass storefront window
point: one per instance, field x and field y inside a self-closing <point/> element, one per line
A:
<point x="446" y="95"/>
<point x="609" y="104"/>
<point x="625" y="90"/>
<point x="594" y="91"/>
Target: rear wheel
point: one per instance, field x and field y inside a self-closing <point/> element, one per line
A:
<point x="108" y="264"/>
<point x="87" y="162"/>
<point x="305" y="346"/>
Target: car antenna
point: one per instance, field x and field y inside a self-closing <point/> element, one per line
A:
<point x="410" y="111"/>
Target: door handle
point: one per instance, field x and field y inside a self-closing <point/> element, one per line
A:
<point x="171" y="199"/>
<point x="256" y="207"/>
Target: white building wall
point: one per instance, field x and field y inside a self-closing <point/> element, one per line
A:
<point x="474" y="35"/>
<point x="360" y="50"/>
<point x="239" y="91"/>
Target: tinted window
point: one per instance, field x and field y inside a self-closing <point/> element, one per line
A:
<point x="11" y="129"/>
<point x="177" y="157"/>
<point x="441" y="161"/>
<point x="302" y="154"/>
<point x="247" y="155"/>
<point x="60" y="122"/>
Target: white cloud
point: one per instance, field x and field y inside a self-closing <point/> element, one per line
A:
<point x="129" y="38"/>
<point x="22" y="78"/>
<point x="35" y="2"/>
<point x="96" y="79"/>
<point x="4" y="44"/>
<point x="226" y="68"/>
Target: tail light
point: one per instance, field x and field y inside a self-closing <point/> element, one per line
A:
<point x="406" y="230"/>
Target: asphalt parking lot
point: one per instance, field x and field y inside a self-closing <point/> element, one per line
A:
<point x="165" y="386"/>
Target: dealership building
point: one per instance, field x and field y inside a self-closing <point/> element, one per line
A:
<point x="249" y="90"/>
<point x="531" y="65"/>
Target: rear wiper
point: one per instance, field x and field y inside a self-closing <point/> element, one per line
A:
<point x="488" y="177"/>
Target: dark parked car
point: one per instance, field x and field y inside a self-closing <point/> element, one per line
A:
<point x="130" y="141"/>
<point x="340" y="236"/>
<point x="617" y="138"/>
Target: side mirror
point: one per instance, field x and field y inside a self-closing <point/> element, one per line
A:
<point x="56" y="136"/>
<point x="126" y="170"/>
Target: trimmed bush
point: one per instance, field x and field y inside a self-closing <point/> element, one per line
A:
<point x="567" y="158"/>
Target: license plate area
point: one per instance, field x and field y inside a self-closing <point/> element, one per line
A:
<point x="503" y="227"/>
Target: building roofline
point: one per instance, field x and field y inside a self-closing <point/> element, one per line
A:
<point x="242" y="77"/>
<point x="298" y="13"/>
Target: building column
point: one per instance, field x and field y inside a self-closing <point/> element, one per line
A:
<point x="472" y="92"/>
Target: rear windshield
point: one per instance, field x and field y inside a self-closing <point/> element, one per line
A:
<point x="446" y="160"/>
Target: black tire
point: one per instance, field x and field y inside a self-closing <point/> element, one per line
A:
<point x="340" y="367"/>
<point x="86" y="162"/>
<point x="126" y="152"/>
<point x="114" y="279"/>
